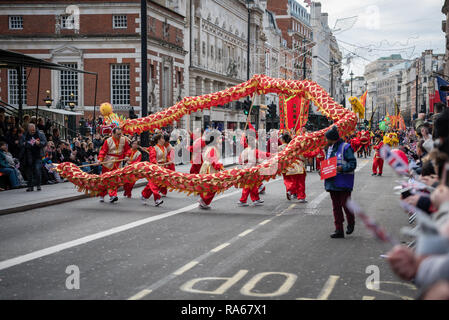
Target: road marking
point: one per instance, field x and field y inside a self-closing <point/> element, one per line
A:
<point x="244" y="233"/>
<point x="70" y="244"/>
<point x="222" y="246"/>
<point x="288" y="283"/>
<point x="265" y="222"/>
<point x="328" y="287"/>
<point x="140" y="294"/>
<point x="368" y="298"/>
<point x="288" y="209"/>
<point x="185" y="268"/>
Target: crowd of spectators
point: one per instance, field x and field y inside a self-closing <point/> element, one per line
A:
<point x="425" y="261"/>
<point x="29" y="151"/>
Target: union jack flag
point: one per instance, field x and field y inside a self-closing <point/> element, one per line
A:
<point x="309" y="2"/>
<point x="394" y="160"/>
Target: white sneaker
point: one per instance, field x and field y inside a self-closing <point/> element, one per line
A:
<point x="203" y="205"/>
<point x="302" y="201"/>
<point x="258" y="202"/>
<point x="101" y="199"/>
<point x="158" y="202"/>
<point x="242" y="204"/>
<point x="144" y="200"/>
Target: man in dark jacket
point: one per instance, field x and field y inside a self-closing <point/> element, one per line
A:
<point x="33" y="142"/>
<point x="340" y="186"/>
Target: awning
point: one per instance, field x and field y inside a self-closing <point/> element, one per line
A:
<point x="59" y="111"/>
<point x="11" y="59"/>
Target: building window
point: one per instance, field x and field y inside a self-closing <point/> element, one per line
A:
<point x="13" y="86"/>
<point x="120" y="84"/>
<point x="67" y="22"/>
<point x="68" y="84"/>
<point x="120" y="22"/>
<point x="204" y="48"/>
<point x="16" y="22"/>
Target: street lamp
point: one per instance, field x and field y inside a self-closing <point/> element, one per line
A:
<point x="48" y="100"/>
<point x="72" y="101"/>
<point x="351" y="74"/>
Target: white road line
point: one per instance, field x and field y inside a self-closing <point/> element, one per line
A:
<point x="265" y="222"/>
<point x="244" y="233"/>
<point x="168" y="278"/>
<point x="185" y="268"/>
<point x="222" y="246"/>
<point x="140" y="294"/>
<point x="70" y="244"/>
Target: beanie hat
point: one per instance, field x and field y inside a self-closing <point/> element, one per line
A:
<point x="333" y="134"/>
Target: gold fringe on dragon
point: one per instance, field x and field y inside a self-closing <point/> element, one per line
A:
<point x="344" y="119"/>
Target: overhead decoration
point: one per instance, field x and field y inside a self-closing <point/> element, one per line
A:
<point x="344" y="119"/>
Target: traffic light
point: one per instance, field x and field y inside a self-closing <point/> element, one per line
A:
<point x="246" y="107"/>
<point x="271" y="111"/>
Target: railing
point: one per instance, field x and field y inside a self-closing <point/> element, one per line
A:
<point x="64" y="131"/>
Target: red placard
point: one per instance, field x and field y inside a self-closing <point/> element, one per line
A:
<point x="329" y="168"/>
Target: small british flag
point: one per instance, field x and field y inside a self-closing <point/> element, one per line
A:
<point x="309" y="2"/>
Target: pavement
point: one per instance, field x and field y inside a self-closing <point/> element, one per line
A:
<point x="18" y="200"/>
<point x="84" y="249"/>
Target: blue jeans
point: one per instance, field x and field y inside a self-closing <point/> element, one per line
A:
<point x="34" y="173"/>
<point x="12" y="176"/>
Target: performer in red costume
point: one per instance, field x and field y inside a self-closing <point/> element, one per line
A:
<point x="134" y="156"/>
<point x="114" y="148"/>
<point x="158" y="155"/>
<point x="365" y="141"/>
<point x="250" y="157"/>
<point x="211" y="164"/>
<point x="295" y="175"/>
<point x="378" y="162"/>
<point x="196" y="149"/>
<point x="319" y="157"/>
<point x="170" y="161"/>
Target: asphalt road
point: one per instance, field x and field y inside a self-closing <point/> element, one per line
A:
<point x="281" y="250"/>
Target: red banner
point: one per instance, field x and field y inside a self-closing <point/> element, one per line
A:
<point x="328" y="168"/>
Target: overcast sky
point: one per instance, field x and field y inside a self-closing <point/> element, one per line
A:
<point x="385" y="27"/>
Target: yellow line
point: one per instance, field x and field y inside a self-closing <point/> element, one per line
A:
<point x="222" y="246"/>
<point x="265" y="222"/>
<point x="244" y="233"/>
<point x="140" y="294"/>
<point x="368" y="298"/>
<point x="328" y="287"/>
<point x="183" y="269"/>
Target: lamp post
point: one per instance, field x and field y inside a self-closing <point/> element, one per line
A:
<point x="48" y="100"/>
<point x="72" y="101"/>
<point x="352" y="75"/>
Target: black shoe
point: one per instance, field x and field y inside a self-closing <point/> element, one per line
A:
<point x="350" y="229"/>
<point x="30" y="189"/>
<point x="113" y="199"/>
<point x="39" y="188"/>
<point x="380" y="174"/>
<point x="337" y="235"/>
<point x="374" y="174"/>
